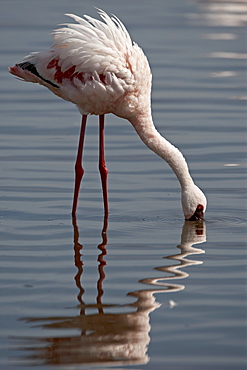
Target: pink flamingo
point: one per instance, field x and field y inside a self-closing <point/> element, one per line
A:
<point x="95" y="65"/>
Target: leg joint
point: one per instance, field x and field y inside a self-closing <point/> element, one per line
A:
<point x="79" y="171"/>
<point x="103" y="169"/>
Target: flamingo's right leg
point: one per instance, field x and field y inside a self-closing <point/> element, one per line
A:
<point x="102" y="164"/>
<point x="79" y="171"/>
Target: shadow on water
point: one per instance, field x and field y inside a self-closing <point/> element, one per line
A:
<point x="108" y="338"/>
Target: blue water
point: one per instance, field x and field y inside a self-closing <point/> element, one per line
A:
<point x="150" y="292"/>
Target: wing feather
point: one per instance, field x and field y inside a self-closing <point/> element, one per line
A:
<point x="92" y="45"/>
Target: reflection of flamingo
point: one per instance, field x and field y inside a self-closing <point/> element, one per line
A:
<point x="96" y="66"/>
<point x="105" y="337"/>
<point x="191" y="234"/>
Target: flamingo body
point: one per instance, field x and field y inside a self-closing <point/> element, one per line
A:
<point x="95" y="65"/>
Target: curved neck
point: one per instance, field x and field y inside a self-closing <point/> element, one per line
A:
<point x="145" y="128"/>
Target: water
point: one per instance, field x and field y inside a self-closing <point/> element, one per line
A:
<point x="150" y="292"/>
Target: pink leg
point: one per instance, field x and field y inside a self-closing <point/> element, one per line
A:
<point x="102" y="165"/>
<point x="79" y="171"/>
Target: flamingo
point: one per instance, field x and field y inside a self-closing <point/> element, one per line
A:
<point x="95" y="65"/>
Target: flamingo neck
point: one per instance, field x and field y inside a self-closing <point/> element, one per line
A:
<point x="144" y="126"/>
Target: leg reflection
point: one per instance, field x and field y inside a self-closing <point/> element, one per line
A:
<point x="102" y="263"/>
<point x="78" y="263"/>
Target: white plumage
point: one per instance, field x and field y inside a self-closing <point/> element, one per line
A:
<point x="105" y="65"/>
<point x="95" y="65"/>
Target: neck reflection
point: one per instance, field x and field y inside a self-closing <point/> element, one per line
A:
<point x="103" y="334"/>
<point x="192" y="233"/>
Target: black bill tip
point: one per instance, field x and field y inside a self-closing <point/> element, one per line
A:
<point x="199" y="214"/>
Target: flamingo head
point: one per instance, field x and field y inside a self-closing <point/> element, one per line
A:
<point x="194" y="203"/>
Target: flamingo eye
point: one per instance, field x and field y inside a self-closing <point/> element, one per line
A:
<point x="200" y="207"/>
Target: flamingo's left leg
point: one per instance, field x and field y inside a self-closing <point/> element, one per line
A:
<point x="79" y="171"/>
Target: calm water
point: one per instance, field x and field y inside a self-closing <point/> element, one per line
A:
<point x="150" y="292"/>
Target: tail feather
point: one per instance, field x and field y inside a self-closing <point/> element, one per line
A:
<point x="27" y="71"/>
